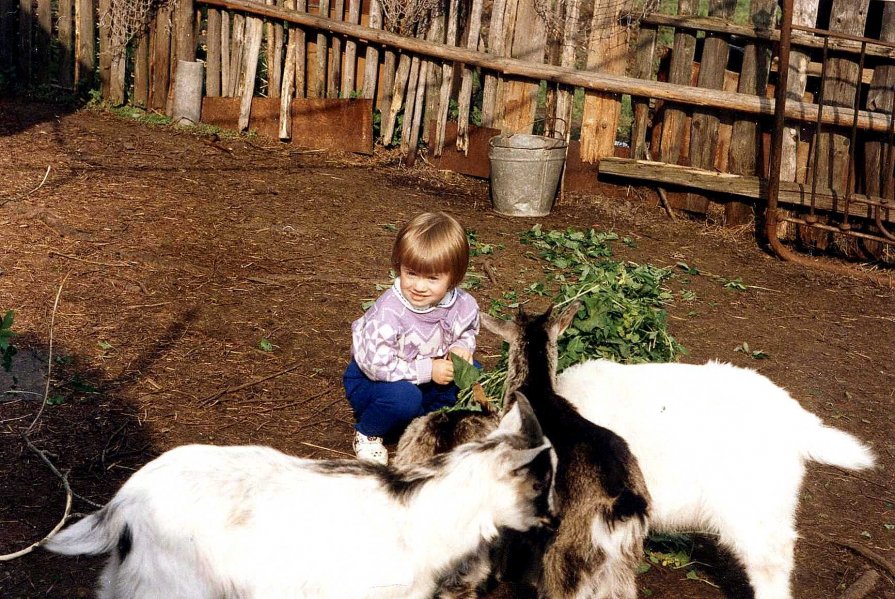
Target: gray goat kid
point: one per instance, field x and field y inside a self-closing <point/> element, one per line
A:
<point x="602" y="500"/>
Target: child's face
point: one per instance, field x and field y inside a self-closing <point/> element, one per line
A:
<point x="423" y="290"/>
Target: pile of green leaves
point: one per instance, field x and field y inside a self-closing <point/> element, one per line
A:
<point x="622" y="315"/>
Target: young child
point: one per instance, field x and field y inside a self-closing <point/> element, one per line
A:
<point x="401" y="366"/>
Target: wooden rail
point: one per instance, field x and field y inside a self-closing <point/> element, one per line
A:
<point x="755" y="188"/>
<point x="714" y="25"/>
<point x="619" y="84"/>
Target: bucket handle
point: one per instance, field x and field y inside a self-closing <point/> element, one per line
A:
<point x="544" y="119"/>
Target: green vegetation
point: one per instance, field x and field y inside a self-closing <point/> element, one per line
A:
<point x="7" y="349"/>
<point x="622" y="315"/>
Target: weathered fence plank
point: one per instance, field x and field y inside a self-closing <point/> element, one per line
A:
<point x="85" y="60"/>
<point x="464" y="100"/>
<point x="745" y="143"/>
<point x="65" y="24"/>
<point x="140" y="95"/>
<point x="226" y="70"/>
<point x="213" y="58"/>
<point x="840" y="89"/>
<point x="881" y="98"/>
<point x="43" y="34"/>
<point x="563" y="99"/>
<point x="704" y="124"/>
<point x="26" y="25"/>
<point x="644" y="68"/>
<point x="447" y="78"/>
<point x="371" y="65"/>
<point x="804" y="14"/>
<point x="159" y="59"/>
<point x="348" y="74"/>
<point x="680" y="73"/>
<point x="606" y="53"/>
<point x="334" y="74"/>
<point x="497" y="47"/>
<point x="105" y="49"/>
<point x="322" y="55"/>
<point x="254" y="33"/>
<point x="520" y="95"/>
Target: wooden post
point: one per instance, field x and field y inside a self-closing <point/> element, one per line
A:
<point x="226" y="70"/>
<point x="334" y="72"/>
<point x="805" y="14"/>
<point x="745" y="145"/>
<point x="274" y="34"/>
<point x="254" y="32"/>
<point x="26" y="21"/>
<point x="141" y="71"/>
<point x="410" y="104"/>
<point x="520" y="96"/>
<point x="842" y="84"/>
<point x="644" y="68"/>
<point x="86" y="46"/>
<point x="301" y="53"/>
<point x="159" y="59"/>
<point x="497" y="47"/>
<point x="680" y="73"/>
<point x="704" y="125"/>
<point x="105" y="49"/>
<point x="432" y="79"/>
<point x="607" y="49"/>
<point x="564" y="94"/>
<point x="348" y="73"/>
<point x="237" y="52"/>
<point x="322" y="55"/>
<point x="66" y="33"/>
<point x="6" y="32"/>
<point x="465" y="99"/>
<point x="44" y="33"/>
<point x="447" y="78"/>
<point x="371" y="64"/>
<point x="213" y="43"/>
<point x="881" y="98"/>
<point x="397" y="100"/>
<point x="288" y="85"/>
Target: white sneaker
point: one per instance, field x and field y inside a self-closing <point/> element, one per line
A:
<point x="370" y="449"/>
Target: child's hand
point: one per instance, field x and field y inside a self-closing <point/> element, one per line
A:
<point x="442" y="371"/>
<point x="463" y="353"/>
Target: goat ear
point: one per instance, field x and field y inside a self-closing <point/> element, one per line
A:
<point x="521" y="420"/>
<point x="562" y="321"/>
<point x="505" y="329"/>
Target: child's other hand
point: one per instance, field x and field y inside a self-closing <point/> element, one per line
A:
<point x="442" y="371"/>
<point x="463" y="353"/>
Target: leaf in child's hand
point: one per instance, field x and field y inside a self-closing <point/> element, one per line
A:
<point x="465" y="374"/>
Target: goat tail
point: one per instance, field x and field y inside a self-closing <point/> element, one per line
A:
<point x="834" y="447"/>
<point x="97" y="533"/>
<point x="630" y="504"/>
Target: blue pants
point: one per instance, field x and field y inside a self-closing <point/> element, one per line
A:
<point x="385" y="409"/>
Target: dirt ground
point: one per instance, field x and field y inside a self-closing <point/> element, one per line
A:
<point x="172" y="257"/>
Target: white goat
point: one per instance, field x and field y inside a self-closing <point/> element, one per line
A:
<point x="722" y="449"/>
<point x="203" y="522"/>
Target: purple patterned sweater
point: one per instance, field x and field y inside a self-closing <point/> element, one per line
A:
<point x="393" y="341"/>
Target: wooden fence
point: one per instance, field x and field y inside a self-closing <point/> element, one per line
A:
<point x="701" y="87"/>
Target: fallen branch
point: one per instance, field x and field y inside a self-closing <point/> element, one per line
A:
<point x="25" y="195"/>
<point x="86" y="261"/>
<point x="43" y="403"/>
<point x="327" y="448"/>
<point x="871" y="555"/>
<point x="212" y="399"/>
<point x="68" y="495"/>
<point x="862" y="586"/>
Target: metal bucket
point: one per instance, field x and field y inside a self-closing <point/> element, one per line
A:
<point x="525" y="172"/>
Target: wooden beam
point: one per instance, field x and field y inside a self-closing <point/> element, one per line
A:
<point x="714" y="25"/>
<point x="755" y="188"/>
<point x="801" y="111"/>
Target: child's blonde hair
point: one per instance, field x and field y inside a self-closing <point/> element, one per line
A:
<point x="432" y="243"/>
